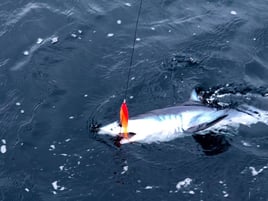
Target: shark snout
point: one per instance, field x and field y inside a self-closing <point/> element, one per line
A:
<point x="112" y="129"/>
<point x="94" y="127"/>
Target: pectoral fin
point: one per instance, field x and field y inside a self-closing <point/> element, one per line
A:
<point x="206" y="125"/>
<point x="127" y="140"/>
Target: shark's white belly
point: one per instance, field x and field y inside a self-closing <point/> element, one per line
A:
<point x="154" y="129"/>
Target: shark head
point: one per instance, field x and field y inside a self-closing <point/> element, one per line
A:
<point x="144" y="129"/>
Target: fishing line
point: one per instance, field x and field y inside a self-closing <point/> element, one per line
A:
<point x="94" y="126"/>
<point x="133" y="49"/>
<point x="124" y="109"/>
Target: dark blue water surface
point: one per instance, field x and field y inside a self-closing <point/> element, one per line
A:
<point x="62" y="61"/>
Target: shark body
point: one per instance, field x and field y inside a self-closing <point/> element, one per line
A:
<point x="166" y="124"/>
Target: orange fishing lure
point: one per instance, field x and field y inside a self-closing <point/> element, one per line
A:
<point x="124" y="118"/>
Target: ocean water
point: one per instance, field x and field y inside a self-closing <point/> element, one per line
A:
<point x="62" y="62"/>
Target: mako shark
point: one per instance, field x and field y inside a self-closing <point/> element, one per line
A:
<point x="192" y="117"/>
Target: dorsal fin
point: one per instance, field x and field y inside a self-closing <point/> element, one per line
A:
<point x="194" y="97"/>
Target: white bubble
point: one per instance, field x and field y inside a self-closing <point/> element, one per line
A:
<point x="148" y="187"/>
<point x="85" y="95"/>
<point x="27" y="189"/>
<point x="55" y="185"/>
<point x="22" y="111"/>
<point x="71" y="117"/>
<point x="52" y="147"/>
<point x="233" y="12"/>
<point x="54" y="39"/>
<point x="62" y="188"/>
<point x="255" y="172"/>
<point x="26" y="53"/>
<point x="80" y="31"/>
<point x="153" y="28"/>
<point x="110" y="35"/>
<point x="186" y="182"/>
<point x="3" y="149"/>
<point x="138" y="39"/>
<point x="39" y="40"/>
<point x="18" y="103"/>
<point x="246" y="144"/>
<point x="128" y="4"/>
<point x="225" y="194"/>
<point x="73" y="35"/>
<point x="125" y="169"/>
<point x="119" y="22"/>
